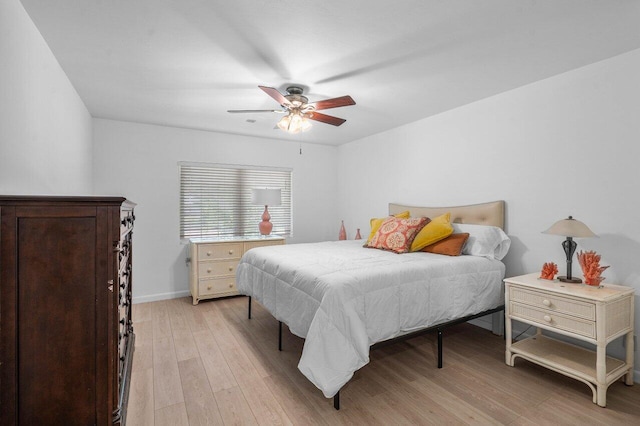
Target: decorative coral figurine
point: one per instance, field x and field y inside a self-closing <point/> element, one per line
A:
<point x="549" y="271"/>
<point x="591" y="269"/>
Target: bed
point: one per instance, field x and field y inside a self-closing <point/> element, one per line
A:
<point x="343" y="298"/>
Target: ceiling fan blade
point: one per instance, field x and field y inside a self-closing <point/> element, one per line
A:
<point x="279" y="97"/>
<point x="324" y="118"/>
<point x="243" y="111"/>
<point x="333" y="103"/>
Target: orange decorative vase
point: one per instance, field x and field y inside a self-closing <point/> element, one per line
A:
<point x="358" y="236"/>
<point x="343" y="232"/>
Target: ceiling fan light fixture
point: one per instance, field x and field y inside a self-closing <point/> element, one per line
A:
<point x="294" y="123"/>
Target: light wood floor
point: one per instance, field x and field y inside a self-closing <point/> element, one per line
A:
<point x="209" y="364"/>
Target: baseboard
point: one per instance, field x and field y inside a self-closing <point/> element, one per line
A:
<point x="161" y="296"/>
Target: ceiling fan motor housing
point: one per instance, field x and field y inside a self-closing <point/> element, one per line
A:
<point x="294" y="95"/>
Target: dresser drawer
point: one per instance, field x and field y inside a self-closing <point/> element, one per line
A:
<point x="253" y="244"/>
<point x="217" y="286"/>
<point x="220" y="251"/>
<point x="218" y="268"/>
<point x="553" y="319"/>
<point x="554" y="303"/>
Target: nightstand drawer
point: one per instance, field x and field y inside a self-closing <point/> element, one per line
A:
<point x="217" y="286"/>
<point x="554" y="303"/>
<point x="220" y="251"/>
<point x="553" y="319"/>
<point x="217" y="269"/>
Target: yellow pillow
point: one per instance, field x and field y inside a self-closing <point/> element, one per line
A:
<point x="377" y="222"/>
<point x="438" y="229"/>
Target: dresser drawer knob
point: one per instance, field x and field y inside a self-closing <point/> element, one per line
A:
<point x="545" y="302"/>
<point x="230" y="285"/>
<point x="209" y="287"/>
<point x="547" y="318"/>
<point x="209" y="270"/>
<point x="230" y="251"/>
<point x="230" y="268"/>
<point x="208" y="253"/>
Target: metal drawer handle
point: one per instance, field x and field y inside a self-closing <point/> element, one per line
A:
<point x="547" y="318"/>
<point x="545" y="302"/>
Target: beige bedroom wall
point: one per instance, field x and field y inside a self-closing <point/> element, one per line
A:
<point x="45" y="128"/>
<point x="567" y="145"/>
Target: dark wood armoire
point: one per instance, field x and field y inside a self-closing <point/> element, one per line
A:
<point x="65" y="310"/>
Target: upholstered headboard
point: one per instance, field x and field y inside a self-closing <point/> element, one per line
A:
<point x="480" y="214"/>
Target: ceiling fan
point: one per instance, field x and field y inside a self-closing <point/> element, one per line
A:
<point x="299" y="111"/>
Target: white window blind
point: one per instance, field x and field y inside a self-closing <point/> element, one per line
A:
<point x="215" y="200"/>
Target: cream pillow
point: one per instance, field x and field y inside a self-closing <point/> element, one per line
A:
<point x="438" y="229"/>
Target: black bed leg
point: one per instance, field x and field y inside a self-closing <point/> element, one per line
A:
<point x="280" y="336"/>
<point x="439" y="348"/>
<point x="336" y="401"/>
<point x="249" y="311"/>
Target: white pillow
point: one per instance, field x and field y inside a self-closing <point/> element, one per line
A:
<point x="486" y="241"/>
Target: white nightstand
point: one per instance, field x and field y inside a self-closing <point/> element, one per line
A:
<point x="592" y="314"/>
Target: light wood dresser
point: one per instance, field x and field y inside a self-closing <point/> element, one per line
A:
<point x="214" y="261"/>
<point x="596" y="315"/>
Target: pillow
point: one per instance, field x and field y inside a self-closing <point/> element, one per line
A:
<point x="397" y="234"/>
<point x="438" y="229"/>
<point x="450" y="246"/>
<point x="376" y="222"/>
<point x="486" y="241"/>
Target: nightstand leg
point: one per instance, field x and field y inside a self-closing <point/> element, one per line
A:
<point x="628" y="378"/>
<point x="601" y="374"/>
<point x="507" y="337"/>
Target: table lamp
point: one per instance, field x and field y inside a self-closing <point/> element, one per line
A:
<point x="570" y="228"/>
<point x="265" y="197"/>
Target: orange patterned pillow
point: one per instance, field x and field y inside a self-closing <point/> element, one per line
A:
<point x="451" y="246"/>
<point x="397" y="234"/>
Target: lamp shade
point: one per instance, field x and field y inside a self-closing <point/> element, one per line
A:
<point x="265" y="196"/>
<point x="570" y="227"/>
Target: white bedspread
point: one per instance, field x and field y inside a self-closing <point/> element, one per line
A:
<point x="343" y="298"/>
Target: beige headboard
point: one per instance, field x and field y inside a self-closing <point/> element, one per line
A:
<point x="480" y="214"/>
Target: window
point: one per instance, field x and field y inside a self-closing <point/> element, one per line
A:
<point x="215" y="200"/>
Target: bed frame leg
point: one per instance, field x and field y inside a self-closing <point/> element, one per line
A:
<point x="249" y="310"/>
<point x="280" y="336"/>
<point x="336" y="401"/>
<point x="439" y="348"/>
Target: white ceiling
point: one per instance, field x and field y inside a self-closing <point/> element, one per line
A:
<point x="184" y="63"/>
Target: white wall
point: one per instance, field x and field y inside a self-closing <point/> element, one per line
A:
<point x="141" y="162"/>
<point x="45" y="128"/>
<point x="567" y="145"/>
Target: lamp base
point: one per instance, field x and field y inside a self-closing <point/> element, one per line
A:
<point x="570" y="280"/>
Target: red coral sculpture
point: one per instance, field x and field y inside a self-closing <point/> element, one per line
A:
<point x="549" y="271"/>
<point x="591" y="269"/>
